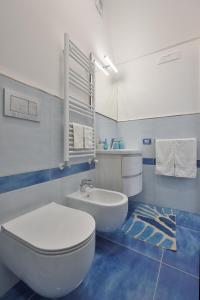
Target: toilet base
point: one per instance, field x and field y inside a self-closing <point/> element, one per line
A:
<point x="48" y="275"/>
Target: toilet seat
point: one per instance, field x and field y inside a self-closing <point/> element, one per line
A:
<point x="52" y="230"/>
<point x="51" y="248"/>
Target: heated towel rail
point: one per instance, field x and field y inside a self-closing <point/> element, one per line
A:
<point x="79" y="98"/>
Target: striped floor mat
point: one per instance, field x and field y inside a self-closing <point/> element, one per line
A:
<point x="153" y="225"/>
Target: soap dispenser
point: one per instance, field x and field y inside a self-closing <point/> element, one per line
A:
<point x="106" y="144"/>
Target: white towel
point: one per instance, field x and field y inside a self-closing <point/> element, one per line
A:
<point x="165" y="157"/>
<point x="78" y="136"/>
<point x="186" y="158"/>
<point x="88" y="137"/>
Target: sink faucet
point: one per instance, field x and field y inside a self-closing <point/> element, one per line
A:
<point x="85" y="183"/>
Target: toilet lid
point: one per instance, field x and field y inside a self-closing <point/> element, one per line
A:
<point x="52" y="228"/>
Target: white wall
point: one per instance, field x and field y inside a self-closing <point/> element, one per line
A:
<point x="106" y="95"/>
<point x="149" y="89"/>
<point x="138" y="27"/>
<point x="32" y="33"/>
<point x="105" y="128"/>
<point x="141" y="31"/>
<point x="180" y="193"/>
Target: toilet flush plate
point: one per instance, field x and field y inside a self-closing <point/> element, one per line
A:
<point x="21" y="106"/>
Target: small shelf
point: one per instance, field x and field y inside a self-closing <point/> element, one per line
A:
<point x="120" y="152"/>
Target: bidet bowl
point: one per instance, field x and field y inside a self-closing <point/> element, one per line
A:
<point x="109" y="208"/>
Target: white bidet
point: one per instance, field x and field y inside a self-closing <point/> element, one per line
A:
<point x="109" y="208"/>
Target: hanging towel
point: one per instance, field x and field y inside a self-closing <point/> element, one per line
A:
<point x="165" y="157"/>
<point x="186" y="158"/>
<point x="88" y="137"/>
<point x="78" y="136"/>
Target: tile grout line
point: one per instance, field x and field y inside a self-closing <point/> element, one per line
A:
<point x="31" y="296"/>
<point x="153" y="258"/>
<point x="136" y="251"/>
<point x="150" y="257"/>
<point x="158" y="275"/>
<point x="189" y="274"/>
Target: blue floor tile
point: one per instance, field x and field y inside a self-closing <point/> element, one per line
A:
<point x="176" y="285"/>
<point x="127" y="241"/>
<point x="117" y="273"/>
<point x="19" y="292"/>
<point x="186" y="257"/>
<point x="187" y="219"/>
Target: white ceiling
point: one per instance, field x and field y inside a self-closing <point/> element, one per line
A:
<point x="139" y="27"/>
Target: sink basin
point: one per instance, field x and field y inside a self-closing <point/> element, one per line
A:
<point x="109" y="208"/>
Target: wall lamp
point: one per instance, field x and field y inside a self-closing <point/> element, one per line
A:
<point x="105" y="68"/>
<point x="110" y="64"/>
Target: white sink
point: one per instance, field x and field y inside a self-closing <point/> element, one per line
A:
<point x="109" y="208"/>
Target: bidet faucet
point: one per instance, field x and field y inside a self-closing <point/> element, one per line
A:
<point x="85" y="183"/>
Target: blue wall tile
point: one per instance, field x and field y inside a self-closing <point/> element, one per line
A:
<point x="18" y="181"/>
<point x="27" y="179"/>
<point x="152" y="162"/>
<point x="149" y="161"/>
<point x="5" y="184"/>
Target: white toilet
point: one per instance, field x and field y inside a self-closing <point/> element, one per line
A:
<point x="51" y="248"/>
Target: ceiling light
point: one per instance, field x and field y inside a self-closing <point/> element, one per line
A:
<point x="101" y="68"/>
<point x="110" y="64"/>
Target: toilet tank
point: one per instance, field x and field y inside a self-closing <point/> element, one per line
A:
<point x="120" y="170"/>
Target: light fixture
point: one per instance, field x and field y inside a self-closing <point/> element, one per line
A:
<point x="101" y="68"/>
<point x="110" y="64"/>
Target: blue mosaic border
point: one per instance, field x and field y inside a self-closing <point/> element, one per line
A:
<point x="149" y="161"/>
<point x="18" y="181"/>
<point x="152" y="162"/>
